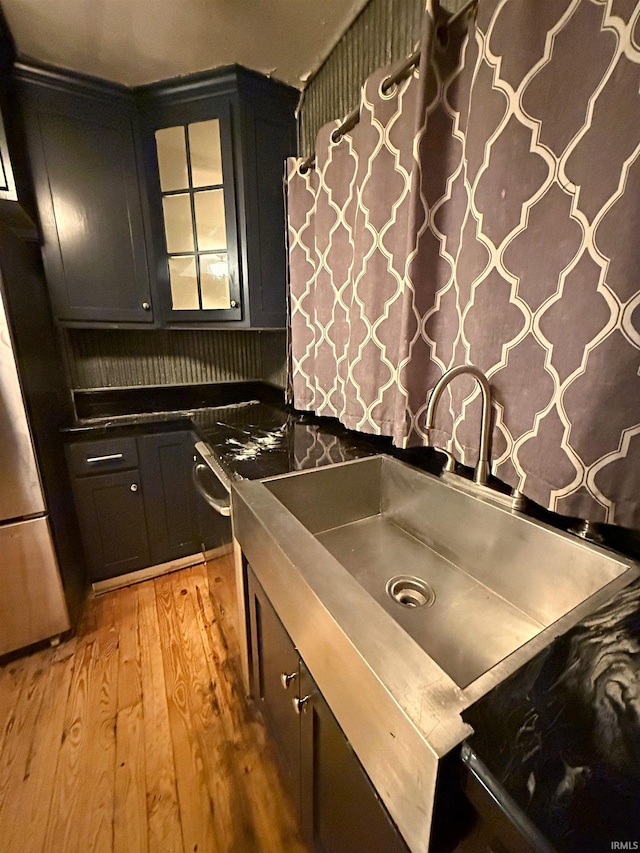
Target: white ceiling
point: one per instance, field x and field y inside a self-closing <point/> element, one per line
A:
<point x="139" y="41"/>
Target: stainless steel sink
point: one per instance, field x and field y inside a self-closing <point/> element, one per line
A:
<point x="497" y="578"/>
<point x="409" y="599"/>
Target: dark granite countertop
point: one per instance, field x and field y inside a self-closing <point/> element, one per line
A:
<point x="562" y="735"/>
<point x="149" y="401"/>
<point x="247" y="425"/>
<point x="261" y="440"/>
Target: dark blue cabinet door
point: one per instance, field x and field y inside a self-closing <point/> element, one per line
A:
<point x="112" y="522"/>
<point x="169" y="497"/>
<point x="342" y="811"/>
<point x="339" y="807"/>
<point x="275" y="682"/>
<point x="83" y="154"/>
<point x="258" y="132"/>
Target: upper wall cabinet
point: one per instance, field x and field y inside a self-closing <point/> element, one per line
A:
<point x="83" y="148"/>
<point x="161" y="205"/>
<point x="198" y="264"/>
<point x="215" y="145"/>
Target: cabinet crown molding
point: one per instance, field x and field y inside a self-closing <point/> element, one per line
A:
<point x="228" y="79"/>
<point x="66" y="80"/>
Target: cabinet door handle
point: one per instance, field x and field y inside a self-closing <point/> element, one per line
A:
<point x="146" y="306"/>
<point x="111" y="457"/>
<point x="287" y="678"/>
<point x="300" y="704"/>
<point x="134" y="487"/>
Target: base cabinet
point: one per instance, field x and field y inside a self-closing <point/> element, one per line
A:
<point x="165" y="464"/>
<point x="275" y="676"/>
<point x="136" y="503"/>
<point x="111" y="514"/>
<point x="340" y="810"/>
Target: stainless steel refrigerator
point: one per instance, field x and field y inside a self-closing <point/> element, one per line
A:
<point x="32" y="600"/>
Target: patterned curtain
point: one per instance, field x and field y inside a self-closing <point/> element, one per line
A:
<point x="521" y="254"/>
<point x="348" y="243"/>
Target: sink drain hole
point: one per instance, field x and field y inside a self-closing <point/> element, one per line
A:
<point x="410" y="592"/>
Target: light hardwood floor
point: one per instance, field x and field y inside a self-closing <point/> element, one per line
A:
<point x="135" y="736"/>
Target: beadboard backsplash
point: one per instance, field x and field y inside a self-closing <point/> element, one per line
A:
<point x="384" y="32"/>
<point x="126" y="359"/>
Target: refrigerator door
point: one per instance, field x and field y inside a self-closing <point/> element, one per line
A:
<point x="32" y="603"/>
<point x="20" y="489"/>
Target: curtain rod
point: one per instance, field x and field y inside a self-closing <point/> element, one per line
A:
<point x="400" y="74"/>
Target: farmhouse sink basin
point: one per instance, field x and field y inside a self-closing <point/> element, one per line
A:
<point x="470" y="584"/>
<point x="409" y="599"/>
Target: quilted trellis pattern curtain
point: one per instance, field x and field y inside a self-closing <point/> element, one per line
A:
<point x="348" y="235"/>
<point x="521" y="255"/>
<point x="529" y="186"/>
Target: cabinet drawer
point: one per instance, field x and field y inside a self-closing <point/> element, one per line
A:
<point x="100" y="457"/>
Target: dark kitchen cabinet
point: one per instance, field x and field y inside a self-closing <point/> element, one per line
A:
<point x="84" y="153"/>
<point x="342" y="811"/>
<point x="112" y="523"/>
<point x="339" y="808"/>
<point x="215" y="145"/>
<point x="165" y="466"/>
<point x="275" y="677"/>
<point x="136" y="502"/>
<point x="93" y="151"/>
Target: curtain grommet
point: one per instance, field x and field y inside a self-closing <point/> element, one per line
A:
<point x="390" y="91"/>
<point x="305" y="167"/>
<point x="389" y="87"/>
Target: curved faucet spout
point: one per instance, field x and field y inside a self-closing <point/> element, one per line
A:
<point x="481" y="473"/>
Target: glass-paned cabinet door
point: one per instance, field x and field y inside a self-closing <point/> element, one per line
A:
<point x="199" y="227"/>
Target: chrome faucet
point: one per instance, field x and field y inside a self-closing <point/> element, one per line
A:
<point x="481" y="473"/>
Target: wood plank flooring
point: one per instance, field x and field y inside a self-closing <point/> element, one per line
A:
<point x="135" y="735"/>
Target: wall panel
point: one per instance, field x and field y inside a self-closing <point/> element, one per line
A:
<point x="123" y="358"/>
<point x="385" y="31"/>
